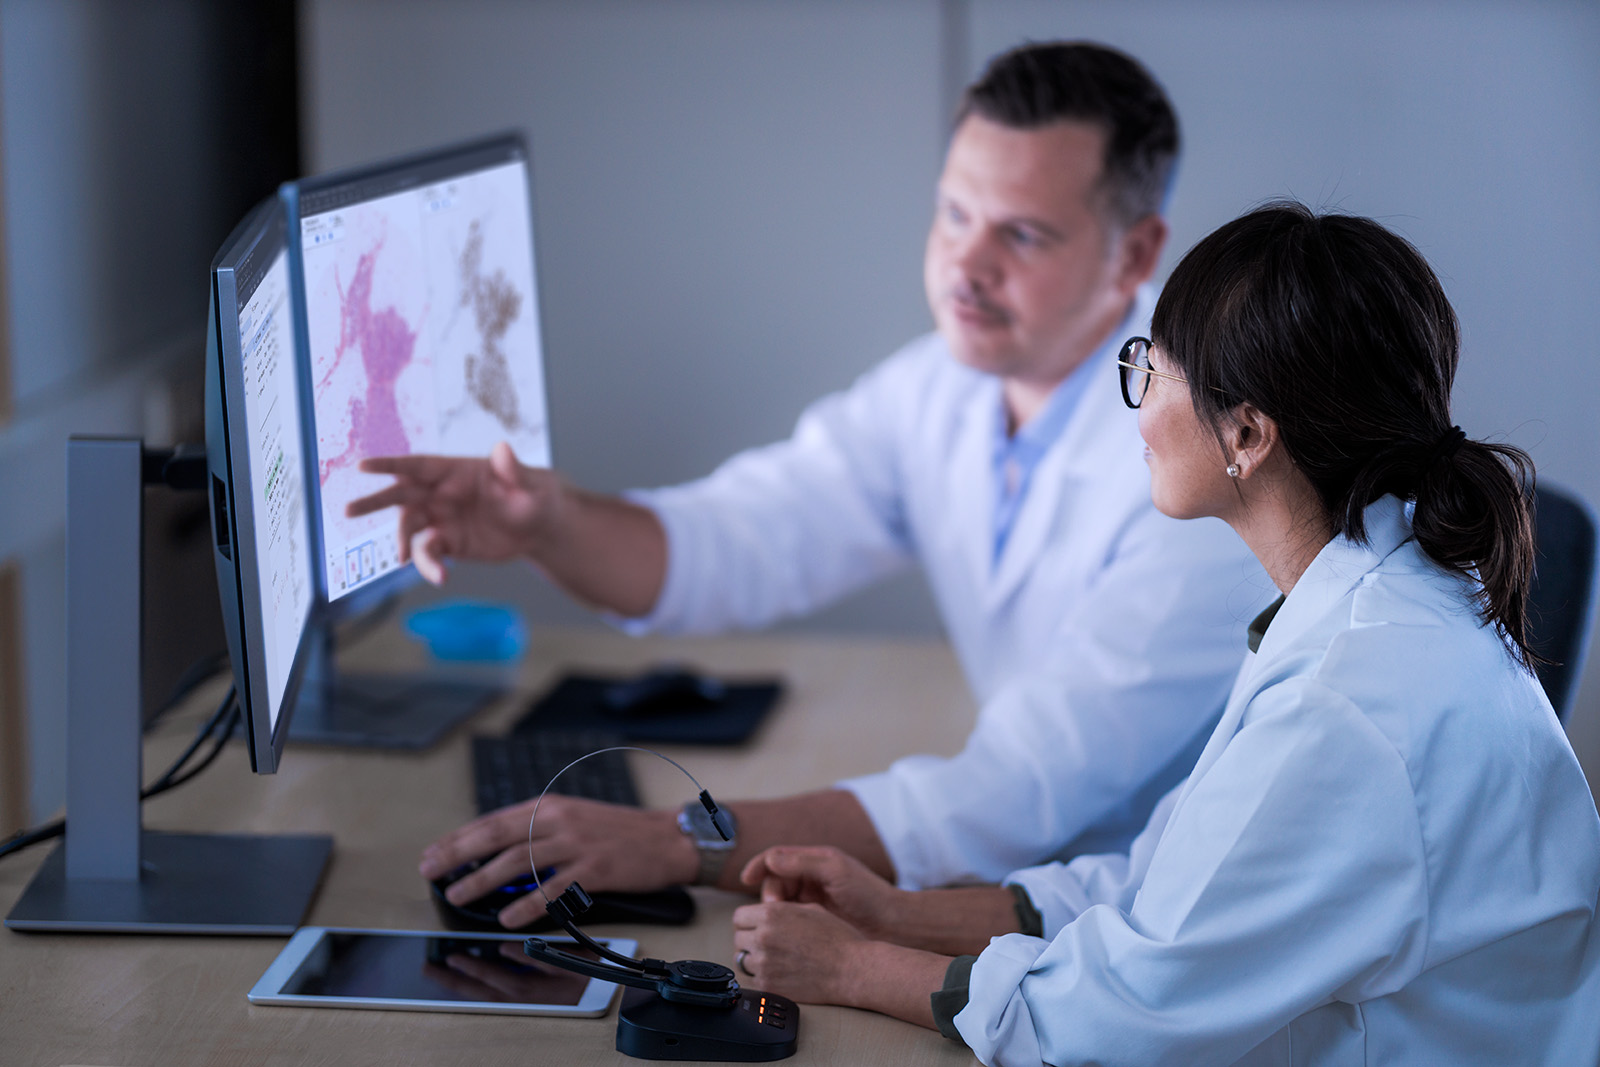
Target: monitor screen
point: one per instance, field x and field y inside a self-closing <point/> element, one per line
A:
<point x="255" y="448"/>
<point x="422" y="327"/>
<point x="272" y="417"/>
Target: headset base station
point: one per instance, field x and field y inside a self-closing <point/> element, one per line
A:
<point x="761" y="1026"/>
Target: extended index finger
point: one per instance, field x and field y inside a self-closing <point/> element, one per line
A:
<point x="397" y="494"/>
<point x="421" y="468"/>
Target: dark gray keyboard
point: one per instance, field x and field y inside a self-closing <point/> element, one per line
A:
<point x="509" y="770"/>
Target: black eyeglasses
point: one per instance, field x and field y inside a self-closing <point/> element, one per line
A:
<point x="1134" y="361"/>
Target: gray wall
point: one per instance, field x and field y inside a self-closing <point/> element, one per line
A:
<point x="112" y="215"/>
<point x="107" y="131"/>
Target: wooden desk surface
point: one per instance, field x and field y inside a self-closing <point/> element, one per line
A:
<point x="129" y="1001"/>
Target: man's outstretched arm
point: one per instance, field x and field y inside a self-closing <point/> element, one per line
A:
<point x="602" y="550"/>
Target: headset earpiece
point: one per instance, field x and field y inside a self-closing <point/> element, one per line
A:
<point x="718" y="819"/>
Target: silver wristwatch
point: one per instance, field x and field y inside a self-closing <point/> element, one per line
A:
<point x="695" y="822"/>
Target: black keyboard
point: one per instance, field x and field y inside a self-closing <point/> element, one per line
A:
<point x="508" y="770"/>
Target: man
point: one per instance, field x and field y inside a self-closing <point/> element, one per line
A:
<point x="997" y="453"/>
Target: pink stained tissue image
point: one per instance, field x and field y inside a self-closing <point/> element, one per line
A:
<point x="386" y="344"/>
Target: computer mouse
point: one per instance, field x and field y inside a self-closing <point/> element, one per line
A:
<point x="669" y="907"/>
<point x="480" y="914"/>
<point x="664" y="689"/>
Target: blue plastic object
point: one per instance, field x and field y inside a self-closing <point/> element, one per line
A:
<point x="470" y="631"/>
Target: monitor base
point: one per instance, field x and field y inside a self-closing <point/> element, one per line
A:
<point x="232" y="884"/>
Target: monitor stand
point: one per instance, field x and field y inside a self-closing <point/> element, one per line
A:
<point x="111" y="875"/>
<point x="397" y="711"/>
<point x="230" y="884"/>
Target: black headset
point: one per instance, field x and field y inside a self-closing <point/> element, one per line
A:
<point x="698" y="982"/>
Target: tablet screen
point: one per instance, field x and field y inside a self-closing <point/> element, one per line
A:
<point x="444" y="968"/>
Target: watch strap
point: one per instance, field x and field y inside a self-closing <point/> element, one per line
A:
<point x="696" y="825"/>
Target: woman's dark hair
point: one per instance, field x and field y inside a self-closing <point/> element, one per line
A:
<point x="1338" y="331"/>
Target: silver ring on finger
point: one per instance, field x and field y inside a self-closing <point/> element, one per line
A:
<point x="738" y="961"/>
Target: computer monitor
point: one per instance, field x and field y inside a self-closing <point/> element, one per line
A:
<point x="420" y="327"/>
<point x="422" y="330"/>
<point x="255" y="449"/>
<point x="111" y="875"/>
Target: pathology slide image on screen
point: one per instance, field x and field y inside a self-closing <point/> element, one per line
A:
<point x="424" y="338"/>
<point x="266" y="336"/>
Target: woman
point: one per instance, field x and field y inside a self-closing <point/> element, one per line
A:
<point x="1386" y="852"/>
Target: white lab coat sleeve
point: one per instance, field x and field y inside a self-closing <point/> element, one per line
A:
<point x="1292" y="874"/>
<point x="1079" y="753"/>
<point x="784" y="529"/>
<point x="1061" y="892"/>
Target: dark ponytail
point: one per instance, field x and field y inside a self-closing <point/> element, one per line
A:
<point x="1474" y="513"/>
<point x="1338" y="331"/>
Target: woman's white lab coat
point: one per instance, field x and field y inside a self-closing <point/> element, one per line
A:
<point x="1101" y="642"/>
<point x="1387" y="853"/>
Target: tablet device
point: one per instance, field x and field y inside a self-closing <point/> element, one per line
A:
<point x="419" y="970"/>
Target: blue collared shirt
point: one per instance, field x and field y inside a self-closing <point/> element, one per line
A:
<point x="1017" y="455"/>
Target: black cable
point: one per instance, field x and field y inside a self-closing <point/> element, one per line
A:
<point x="228" y="714"/>
<point x="23" y="838"/>
<point x="228" y="726"/>
<point x="161" y="784"/>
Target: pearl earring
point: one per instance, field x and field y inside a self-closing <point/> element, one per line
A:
<point x="1233" y="470"/>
